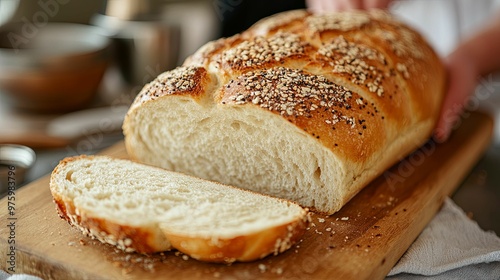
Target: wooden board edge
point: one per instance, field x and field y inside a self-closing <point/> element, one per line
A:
<point x="480" y="144"/>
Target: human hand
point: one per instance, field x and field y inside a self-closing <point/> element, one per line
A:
<point x="319" y="6"/>
<point x="462" y="80"/>
<point x="475" y="57"/>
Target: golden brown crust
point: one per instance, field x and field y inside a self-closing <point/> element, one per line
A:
<point x="241" y="248"/>
<point x="395" y="79"/>
<point x="188" y="80"/>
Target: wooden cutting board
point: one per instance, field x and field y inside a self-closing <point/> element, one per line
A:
<point x="362" y="241"/>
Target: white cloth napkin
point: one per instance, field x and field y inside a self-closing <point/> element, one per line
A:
<point x="452" y="246"/>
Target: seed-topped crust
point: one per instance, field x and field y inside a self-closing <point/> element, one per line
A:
<point x="261" y="50"/>
<point x="182" y="80"/>
<point x="370" y="73"/>
<point x="304" y="99"/>
<point x="350" y="58"/>
<point x="345" y="21"/>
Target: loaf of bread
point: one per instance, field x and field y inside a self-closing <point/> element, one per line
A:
<point x="300" y="106"/>
<point x="147" y="209"/>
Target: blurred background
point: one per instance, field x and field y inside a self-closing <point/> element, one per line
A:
<point x="69" y="69"/>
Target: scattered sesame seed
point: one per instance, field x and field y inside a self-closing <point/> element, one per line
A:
<point x="403" y="69"/>
<point x="294" y="93"/>
<point x="262" y="50"/>
<point x="180" y="79"/>
<point x="403" y="45"/>
<point x="350" y="58"/>
<point x="279" y="270"/>
<point x="337" y="21"/>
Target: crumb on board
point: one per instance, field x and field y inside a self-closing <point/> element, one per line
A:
<point x="279" y="270"/>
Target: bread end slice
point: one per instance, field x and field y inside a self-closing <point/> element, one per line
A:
<point x="140" y="208"/>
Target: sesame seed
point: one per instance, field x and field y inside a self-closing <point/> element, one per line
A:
<point x="403" y="45"/>
<point x="292" y="92"/>
<point x="403" y="69"/>
<point x="262" y="50"/>
<point x="180" y="79"/>
<point x="350" y="58"/>
<point x="127" y="242"/>
<point x="337" y="21"/>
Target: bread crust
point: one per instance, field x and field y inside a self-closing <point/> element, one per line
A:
<point x="243" y="248"/>
<point x="394" y="81"/>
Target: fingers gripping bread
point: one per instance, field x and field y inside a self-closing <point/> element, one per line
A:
<point x="146" y="209"/>
<point x="304" y="107"/>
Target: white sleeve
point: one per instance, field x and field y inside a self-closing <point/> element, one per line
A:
<point x="445" y="23"/>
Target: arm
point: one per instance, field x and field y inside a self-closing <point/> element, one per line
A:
<point x="477" y="56"/>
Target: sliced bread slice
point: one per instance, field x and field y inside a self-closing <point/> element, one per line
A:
<point x="146" y="209"/>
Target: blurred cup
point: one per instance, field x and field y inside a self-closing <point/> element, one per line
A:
<point x="144" y="47"/>
<point x="54" y="69"/>
<point x="15" y="162"/>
